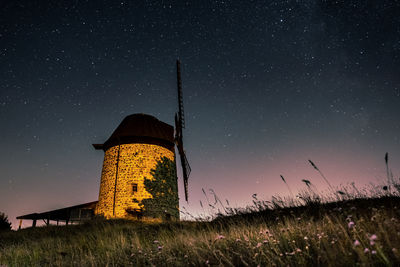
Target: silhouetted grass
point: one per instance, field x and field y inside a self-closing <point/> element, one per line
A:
<point x="316" y="233"/>
<point x="361" y="228"/>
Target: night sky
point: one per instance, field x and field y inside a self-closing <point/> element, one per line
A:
<point x="267" y="85"/>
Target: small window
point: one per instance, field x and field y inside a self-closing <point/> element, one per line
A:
<point x="134" y="188"/>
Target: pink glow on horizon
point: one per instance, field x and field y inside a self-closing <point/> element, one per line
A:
<point x="237" y="180"/>
<point x="263" y="178"/>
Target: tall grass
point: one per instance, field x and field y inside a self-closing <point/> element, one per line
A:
<point x="310" y="229"/>
<point x="356" y="231"/>
<point x="362" y="231"/>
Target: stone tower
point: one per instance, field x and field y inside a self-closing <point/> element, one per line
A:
<point x="138" y="179"/>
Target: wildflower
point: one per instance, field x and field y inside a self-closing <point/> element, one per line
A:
<point x="186" y="256"/>
<point x="333" y="242"/>
<point x="207" y="262"/>
<point x="394" y="250"/>
<point x="351" y="224"/>
<point x="156" y="241"/>
<point x="219" y="237"/>
<point x="356" y="243"/>
<point x="160" y="247"/>
<point x="372" y="242"/>
<point x="366" y="250"/>
<point x="298" y="250"/>
<point x="265" y="241"/>
<point x="238" y="240"/>
<point x="305" y="238"/>
<point x="373" y="252"/>
<point x="259" y="245"/>
<point x="373" y="237"/>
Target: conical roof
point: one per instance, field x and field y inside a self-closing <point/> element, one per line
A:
<point x="141" y="128"/>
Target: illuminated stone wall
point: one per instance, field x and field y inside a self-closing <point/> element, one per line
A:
<point x="135" y="163"/>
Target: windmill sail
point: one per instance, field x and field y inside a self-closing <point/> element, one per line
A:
<point x="179" y="125"/>
<point x="181" y="115"/>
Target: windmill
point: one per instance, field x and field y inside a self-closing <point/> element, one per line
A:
<point x="132" y="153"/>
<point x="179" y="126"/>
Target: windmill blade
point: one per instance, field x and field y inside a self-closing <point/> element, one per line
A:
<point x="178" y="130"/>
<point x="179" y="125"/>
<point x="184" y="162"/>
<point x="187" y="166"/>
<point x="181" y="115"/>
<point x="185" y="170"/>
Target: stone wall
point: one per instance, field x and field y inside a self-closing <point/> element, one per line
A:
<point x="135" y="163"/>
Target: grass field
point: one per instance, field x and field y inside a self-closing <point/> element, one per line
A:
<point x="364" y="231"/>
<point x="346" y="227"/>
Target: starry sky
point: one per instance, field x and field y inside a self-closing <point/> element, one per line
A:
<point x="267" y="85"/>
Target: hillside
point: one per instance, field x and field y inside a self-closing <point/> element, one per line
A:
<point x="364" y="231"/>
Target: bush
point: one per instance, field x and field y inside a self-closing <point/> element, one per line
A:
<point x="4" y="223"/>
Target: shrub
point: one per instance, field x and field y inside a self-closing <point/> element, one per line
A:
<point x="5" y="225"/>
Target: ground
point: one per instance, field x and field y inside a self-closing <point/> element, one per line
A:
<point x="361" y="231"/>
